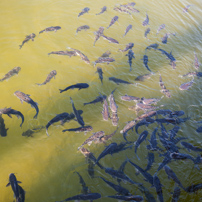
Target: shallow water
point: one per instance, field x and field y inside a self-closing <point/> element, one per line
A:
<point x="46" y="165"/>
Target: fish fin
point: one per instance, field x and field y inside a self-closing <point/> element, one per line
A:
<point x="19" y="182"/>
<point x="8" y="184"/>
<point x="9" y="115"/>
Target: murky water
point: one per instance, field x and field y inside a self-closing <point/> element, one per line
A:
<point x="46" y="165"/>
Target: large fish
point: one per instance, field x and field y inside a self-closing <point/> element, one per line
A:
<point x="26" y="98"/>
<point x="165" y="91"/>
<point x="127" y="29"/>
<point x="153" y="141"/>
<point x="118" y="81"/>
<point x="106" y="137"/>
<point x="10" y="111"/>
<point x="104" y="8"/>
<point x="104" y="60"/>
<point x="78" y="85"/>
<point x="130" y="55"/>
<point x="192" y="74"/>
<point x="186" y="86"/>
<point x="49" y="77"/>
<point x="28" y="37"/>
<point x="99" y="98"/>
<point x="100" y="73"/>
<point x="69" y="53"/>
<point x="11" y="73"/>
<point x="114" y="19"/>
<point x="83" y="27"/>
<point x="146" y="21"/>
<point x="21" y="194"/>
<point x="49" y="29"/>
<point x="160" y="28"/>
<point x="82" y="56"/>
<point x="98" y="34"/>
<point x="3" y="129"/>
<point x="110" y="39"/>
<point x="85" y="10"/>
<point x="128" y="46"/>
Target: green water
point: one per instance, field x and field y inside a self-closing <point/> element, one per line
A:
<point x="46" y="165"/>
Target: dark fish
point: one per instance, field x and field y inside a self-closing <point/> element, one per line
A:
<point x="100" y="73"/>
<point x="85" y="189"/>
<point x="127" y="29"/>
<point x="194" y="188"/>
<point x="166" y="160"/>
<point x="164" y="112"/>
<point x="77" y="115"/>
<point x="85" y="10"/>
<point x="121" y="169"/>
<point x="199" y="129"/>
<point x="128" y="198"/>
<point x="49" y="29"/>
<point x="143" y="77"/>
<point x="176" y="194"/>
<point x="26" y="98"/>
<point x="98" y="34"/>
<point x="78" y="85"/>
<point x="91" y="170"/>
<point x="104" y="8"/>
<point x="105" y="111"/>
<point x="94" y="137"/>
<point x="104" y="60"/>
<point x="150" y="159"/>
<point x="168" y="55"/>
<point x="154" y="46"/>
<point x="180" y="156"/>
<point x="146" y="21"/>
<point x="163" y="90"/>
<point x="141" y="106"/>
<point x="89" y="196"/>
<point x="186" y="86"/>
<point x="189" y="147"/>
<point x="114" y="117"/>
<point x="28" y="37"/>
<point x="196" y="62"/>
<point x="153" y="141"/>
<point x="158" y="185"/>
<point x="69" y="53"/>
<point x="145" y="61"/>
<point x="130" y="55"/>
<point x="99" y="98"/>
<point x="10" y="111"/>
<point x="114" y="19"/>
<point x="130" y="98"/>
<point x="69" y="117"/>
<point x="21" y="194"/>
<point x="148" y="195"/>
<point x="176" y="114"/>
<point x="11" y="73"/>
<point x="147" y="32"/>
<point x="185" y="9"/>
<point x="84" y="129"/>
<point x="118" y="81"/>
<point x="83" y="27"/>
<point x="49" y="77"/>
<point x="121" y="147"/>
<point x="14" y="185"/>
<point x="174" y="131"/>
<point x="30" y="132"/>
<point x="160" y="28"/>
<point x="121" y="10"/>
<point x="111" y="40"/>
<point x="165" y="38"/>
<point x="113" y="105"/>
<point x="128" y="46"/>
<point x="82" y="56"/>
<point x="106" y="54"/>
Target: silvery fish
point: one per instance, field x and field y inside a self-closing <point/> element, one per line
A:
<point x="114" y="19"/>
<point x="165" y="91"/>
<point x="11" y="73"/>
<point x="49" y="29"/>
<point x="113" y="105"/>
<point x="49" y="77"/>
<point x="28" y="37"/>
<point x="98" y="34"/>
<point x="82" y="56"/>
<point x="85" y="10"/>
<point x="122" y="10"/>
<point x="83" y="27"/>
<point x="128" y="46"/>
<point x="186" y="86"/>
<point x="146" y="21"/>
<point x="104" y="8"/>
<point x="104" y="60"/>
<point x="105" y="111"/>
<point x="114" y="117"/>
<point x="130" y="98"/>
<point x="127" y="29"/>
<point x="69" y="53"/>
<point x="111" y="40"/>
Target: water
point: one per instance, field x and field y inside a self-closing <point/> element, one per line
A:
<point x="46" y="165"/>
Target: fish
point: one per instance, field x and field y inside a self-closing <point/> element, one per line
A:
<point x="104" y="60"/>
<point x="130" y="55"/>
<point x="84" y="129"/>
<point x="192" y="74"/>
<point x="78" y="85"/>
<point x="89" y="196"/>
<point x="163" y="90"/>
<point x="153" y="141"/>
<point x="85" y="10"/>
<point x="82" y="56"/>
<point x="100" y="73"/>
<point x="196" y="62"/>
<point x="180" y="156"/>
<point x="49" y="29"/>
<point x="98" y="34"/>
<point x="26" y="98"/>
<point x="114" y="118"/>
<point x="128" y="126"/>
<point x="185" y="9"/>
<point x="127" y="29"/>
<point x="127" y="198"/>
<point x="49" y="77"/>
<point x="106" y="54"/>
<point x="10" y="111"/>
<point x="164" y="112"/>
<point x="129" y="4"/>
<point x="105" y="111"/>
<point x="154" y="46"/>
<point x="148" y="195"/>
<point x="111" y="40"/>
<point x="91" y="170"/>
<point x="134" y="10"/>
<point x="77" y="115"/>
<point x="169" y="55"/>
<point x="145" y="62"/>
<point x="106" y="137"/>
<point x="186" y="86"/>
<point x="3" y="129"/>
<point x="99" y="98"/>
<point x="173" y="132"/>
<point x="146" y="21"/>
<point x="83" y="27"/>
<point x="144" y="107"/>
<point x="128" y="46"/>
<point x="147" y="31"/>
<point x="14" y="185"/>
<point x="69" y="117"/>
<point x="176" y="194"/>
<point x="150" y="159"/>
<point x="189" y="147"/>
<point x="121" y="169"/>
<point x="11" y="73"/>
<point x="150" y="101"/>
<point x="104" y="8"/>
<point x="173" y="65"/>
<point x="118" y="81"/>
<point x="166" y="160"/>
<point x="92" y="138"/>
<point x="176" y="114"/>
<point x="199" y="129"/>
<point x="69" y="53"/>
<point x="143" y="77"/>
<point x="130" y="98"/>
<point x="194" y="188"/>
<point x="30" y="132"/>
<point x="85" y="189"/>
<point x="21" y="194"/>
<point x="158" y="185"/>
<point x="160" y="28"/>
<point x="113" y="105"/>
<point x="121" y="147"/>
<point x="28" y="37"/>
<point x="121" y="10"/>
<point x="172" y="175"/>
<point x="165" y="38"/>
<point x="114" y="19"/>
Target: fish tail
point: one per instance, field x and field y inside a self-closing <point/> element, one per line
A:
<point x="20" y="46"/>
<point x="47" y="132"/>
<point x="60" y="90"/>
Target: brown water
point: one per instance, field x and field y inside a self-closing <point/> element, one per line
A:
<point x="46" y="165"/>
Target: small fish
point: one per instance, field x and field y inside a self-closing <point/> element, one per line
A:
<point x="98" y="34"/>
<point x="186" y="86"/>
<point x="150" y="159"/>
<point x="100" y="73"/>
<point x="105" y="111"/>
<point x="10" y="111"/>
<point x="160" y="28"/>
<point x="158" y="185"/>
<point x="130" y="4"/>
<point x="113" y="105"/>
<point x="146" y="115"/>
<point x="114" y="19"/>
<point x="199" y="129"/>
<point x="104" y="60"/>
<point x="189" y="147"/>
<point x="104" y="8"/>
<point x="147" y="32"/>
<point x="83" y="27"/>
<point x="143" y="77"/>
<point x="49" y="29"/>
<point x="163" y="90"/>
<point x="130" y="55"/>
<point x="185" y="9"/>
<point x="145" y="61"/>
<point x="85" y="10"/>
<point x="111" y="40"/>
<point x="118" y="81"/>
<point x="166" y="160"/>
<point x="134" y="10"/>
<point x="99" y="98"/>
<point x="82" y="56"/>
<point x="150" y="101"/>
<point x="180" y="156"/>
<point x="146" y="21"/>
<point x="127" y="29"/>
<point x="173" y="65"/>
<point x="84" y="129"/>
<point x="30" y="132"/>
<point x="69" y="53"/>
<point x="165" y="38"/>
<point x="192" y="74"/>
<point x="77" y="115"/>
<point x="128" y="46"/>
<point x="196" y="62"/>
<point x="176" y="194"/>
<point x="85" y="189"/>
<point x="49" y="77"/>
<point x="3" y="129"/>
<point x="121" y="10"/>
<point x="130" y="98"/>
<point x="28" y="37"/>
<point x="78" y="85"/>
<point x="153" y="141"/>
<point x="148" y="195"/>
<point x="14" y="185"/>
<point x="154" y="46"/>
<point x="114" y="118"/>
<point x="194" y="188"/>
<point x="26" y="98"/>
<point x="127" y="198"/>
<point x="11" y="73"/>
<point x="106" y="54"/>
<point x="169" y="55"/>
